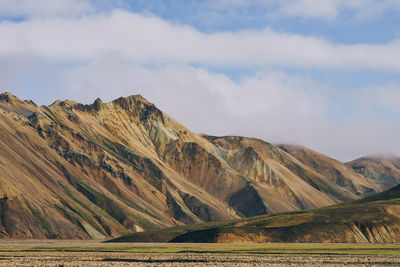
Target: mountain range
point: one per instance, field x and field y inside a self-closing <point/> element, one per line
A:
<point x="76" y="171"/>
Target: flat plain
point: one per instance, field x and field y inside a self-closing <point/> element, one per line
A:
<point x="95" y="253"/>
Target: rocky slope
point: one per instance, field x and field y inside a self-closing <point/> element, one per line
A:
<point x="70" y="170"/>
<point x="369" y="220"/>
<point x="335" y="171"/>
<point x="383" y="170"/>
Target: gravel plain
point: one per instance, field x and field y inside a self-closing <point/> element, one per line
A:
<point x="22" y="253"/>
<point x="186" y="259"/>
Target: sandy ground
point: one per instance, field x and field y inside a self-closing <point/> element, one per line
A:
<point x="185" y="259"/>
<point x="49" y="258"/>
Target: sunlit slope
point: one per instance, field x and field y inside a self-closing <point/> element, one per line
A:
<point x="92" y="171"/>
<point x="340" y="173"/>
<point x="372" y="219"/>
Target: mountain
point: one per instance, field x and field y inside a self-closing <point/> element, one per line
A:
<point x="335" y="171"/>
<point x="71" y="170"/>
<point x="373" y="219"/>
<point x="384" y="170"/>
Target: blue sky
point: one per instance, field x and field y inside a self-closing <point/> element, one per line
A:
<point x="324" y="74"/>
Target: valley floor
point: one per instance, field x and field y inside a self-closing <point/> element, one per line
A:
<point x="94" y="253"/>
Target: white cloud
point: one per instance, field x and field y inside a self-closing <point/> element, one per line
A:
<point x="391" y="97"/>
<point x="388" y="96"/>
<point x="144" y="39"/>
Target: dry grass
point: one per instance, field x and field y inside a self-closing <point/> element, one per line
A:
<point x="266" y="248"/>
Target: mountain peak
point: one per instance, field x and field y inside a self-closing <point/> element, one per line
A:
<point x="7" y="97"/>
<point x="135" y="105"/>
<point x="139" y="106"/>
<point x="97" y="104"/>
<point x="131" y="99"/>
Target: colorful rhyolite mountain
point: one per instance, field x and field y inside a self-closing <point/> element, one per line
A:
<point x="70" y="170"/>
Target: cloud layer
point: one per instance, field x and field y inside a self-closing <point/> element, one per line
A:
<point x="76" y="51"/>
<point x="144" y="39"/>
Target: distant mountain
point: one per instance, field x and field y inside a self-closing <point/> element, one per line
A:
<point x="383" y="170"/>
<point x="334" y="170"/>
<point x="71" y="170"/>
<point x="373" y="219"/>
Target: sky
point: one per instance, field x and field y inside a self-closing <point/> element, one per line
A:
<point x="320" y="73"/>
